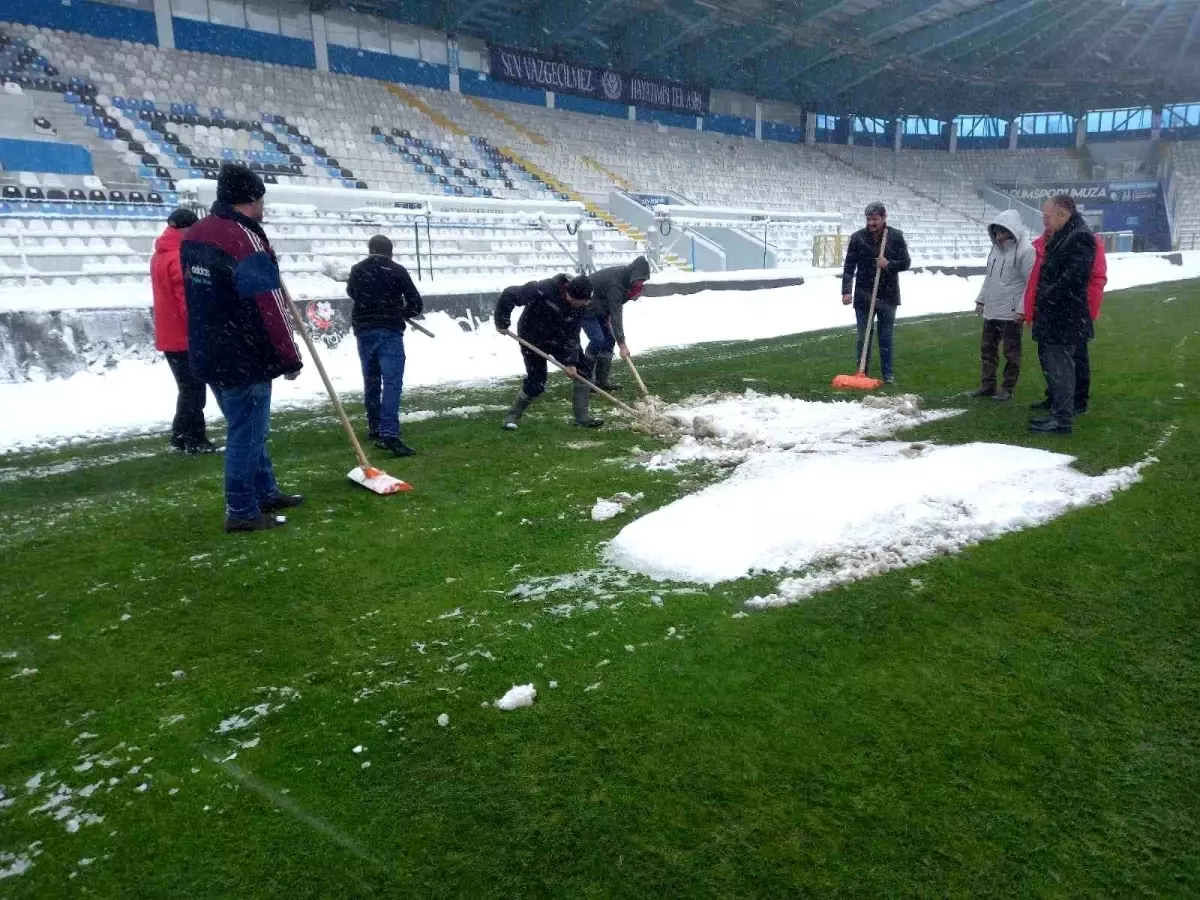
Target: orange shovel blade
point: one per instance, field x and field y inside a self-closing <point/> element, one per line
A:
<point x="378" y="481"/>
<point x="858" y="382"/>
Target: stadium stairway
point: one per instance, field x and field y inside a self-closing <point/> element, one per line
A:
<point x="548" y="178"/>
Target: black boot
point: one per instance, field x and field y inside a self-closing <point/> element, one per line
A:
<point x="513" y="416"/>
<point x="396" y="446"/>
<point x="579" y="402"/>
<point x="604" y="363"/>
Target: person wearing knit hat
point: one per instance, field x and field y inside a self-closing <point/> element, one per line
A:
<point x="238" y="186"/>
<point x="240" y="340"/>
<point x="863" y="260"/>
<point x="553" y="315"/>
<point x="171" y="335"/>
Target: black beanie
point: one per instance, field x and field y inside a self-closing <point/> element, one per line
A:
<point x="237" y="185"/>
<point x="182" y="218"/>
<point x="379" y="246"/>
<point x="580" y="287"/>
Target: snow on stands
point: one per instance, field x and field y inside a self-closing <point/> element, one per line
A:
<point x="814" y="499"/>
<point x="138" y="396"/>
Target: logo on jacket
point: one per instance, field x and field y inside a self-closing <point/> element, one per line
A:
<point x="199" y="271"/>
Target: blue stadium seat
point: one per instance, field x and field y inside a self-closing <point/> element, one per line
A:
<point x="177" y="109"/>
<point x="108" y="134"/>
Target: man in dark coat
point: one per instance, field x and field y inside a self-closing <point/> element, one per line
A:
<point x="858" y="278"/>
<point x="553" y="312"/>
<point x="239" y="340"/>
<point x="604" y="323"/>
<point x="384" y="296"/>
<point x="1061" y="318"/>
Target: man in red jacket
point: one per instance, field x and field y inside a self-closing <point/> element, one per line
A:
<point x="171" y="335"/>
<point x="1096" y="283"/>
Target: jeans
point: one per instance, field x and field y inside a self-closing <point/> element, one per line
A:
<point x="249" y="478"/>
<point x="996" y="332"/>
<point x="885" y="323"/>
<point x="1058" y="365"/>
<point x="599" y="334"/>
<point x="381" y="352"/>
<point x="188" y="425"/>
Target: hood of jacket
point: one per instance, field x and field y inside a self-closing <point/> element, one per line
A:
<point x="1010" y="219"/>
<point x="639" y="270"/>
<point x="170" y="240"/>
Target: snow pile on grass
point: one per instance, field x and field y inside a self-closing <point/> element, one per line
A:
<point x="812" y="498"/>
<point x="613" y="506"/>
<point x="517" y="697"/>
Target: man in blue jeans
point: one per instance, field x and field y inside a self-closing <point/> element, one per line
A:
<point x="858" y="279"/>
<point x="239" y="340"/>
<point x="604" y="323"/>
<point x="384" y="297"/>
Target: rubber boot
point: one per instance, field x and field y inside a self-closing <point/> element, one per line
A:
<point x="604" y="363"/>
<point x="516" y="411"/>
<point x="579" y="402"/>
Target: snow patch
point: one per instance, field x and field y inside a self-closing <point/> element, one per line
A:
<point x="518" y="696"/>
<point x="811" y="497"/>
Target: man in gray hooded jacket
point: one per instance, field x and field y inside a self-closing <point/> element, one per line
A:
<point x="1001" y="303"/>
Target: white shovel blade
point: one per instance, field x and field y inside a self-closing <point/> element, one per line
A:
<point x="377" y="481"/>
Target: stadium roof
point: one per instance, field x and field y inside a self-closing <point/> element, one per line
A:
<point x="872" y="57"/>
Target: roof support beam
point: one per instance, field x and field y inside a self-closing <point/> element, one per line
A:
<point x="1114" y="24"/>
<point x="1091" y="13"/>
<point x="841" y="76"/>
<point x="1150" y="32"/>
<point x="757" y="48"/>
<point x="686" y="34"/>
<point x="873" y="24"/>
<point x="1025" y="31"/>
<point x="1193" y="27"/>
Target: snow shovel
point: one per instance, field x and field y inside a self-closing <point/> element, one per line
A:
<point x="550" y="359"/>
<point x="373" y="479"/>
<point x="638" y="378"/>
<point x="421" y="328"/>
<point x="861" y="381"/>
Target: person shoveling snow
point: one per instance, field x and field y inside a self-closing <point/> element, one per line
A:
<point x="604" y="323"/>
<point x="550" y="322"/>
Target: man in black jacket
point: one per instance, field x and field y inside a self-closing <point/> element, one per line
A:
<point x="858" y="278"/>
<point x="1061" y="319"/>
<point x="551" y="319"/>
<point x="384" y="296"/>
<point x="604" y="323"/>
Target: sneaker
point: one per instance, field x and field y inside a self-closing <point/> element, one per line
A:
<point x="264" y="522"/>
<point x="889" y="379"/>
<point x="1002" y="396"/>
<point x="197" y="447"/>
<point x="281" y="501"/>
<point x="589" y="422"/>
<point x="981" y="392"/>
<point x="1081" y="410"/>
<point x="396" y="446"/>
<point x="1044" y="404"/>
<point x="1049" y="426"/>
<point x="178" y="444"/>
<point x="510" y="422"/>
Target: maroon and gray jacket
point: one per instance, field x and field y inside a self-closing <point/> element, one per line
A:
<point x="238" y="329"/>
